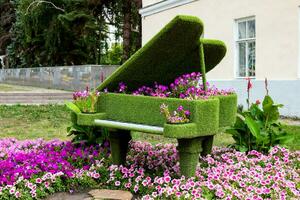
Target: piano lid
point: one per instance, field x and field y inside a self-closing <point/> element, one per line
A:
<point x="170" y="53"/>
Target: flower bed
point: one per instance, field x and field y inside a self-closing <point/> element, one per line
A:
<point x="186" y="86"/>
<point x="34" y="169"/>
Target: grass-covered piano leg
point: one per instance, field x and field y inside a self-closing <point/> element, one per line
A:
<point x="177" y="49"/>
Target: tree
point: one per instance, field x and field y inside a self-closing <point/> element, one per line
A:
<point x="131" y="28"/>
<point x="7" y="18"/>
<point x="126" y="29"/>
<point x="61" y="32"/>
<point x="64" y="32"/>
<point x="113" y="55"/>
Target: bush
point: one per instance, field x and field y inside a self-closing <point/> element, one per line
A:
<point x="88" y="135"/>
<point x="259" y="128"/>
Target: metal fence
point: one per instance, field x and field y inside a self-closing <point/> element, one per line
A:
<point x="65" y="77"/>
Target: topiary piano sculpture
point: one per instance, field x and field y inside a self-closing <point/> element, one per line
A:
<point x="177" y="49"/>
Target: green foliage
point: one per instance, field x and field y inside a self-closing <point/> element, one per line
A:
<point x="46" y="36"/>
<point x="63" y="32"/>
<point x="87" y="134"/>
<point x="259" y="128"/>
<point x="113" y="55"/>
<point x="73" y="107"/>
<point x="85" y="101"/>
<point x="7" y="16"/>
<point x="80" y="132"/>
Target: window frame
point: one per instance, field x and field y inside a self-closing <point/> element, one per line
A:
<point x="237" y="41"/>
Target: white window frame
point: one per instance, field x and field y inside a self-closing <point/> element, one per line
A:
<point x="237" y="41"/>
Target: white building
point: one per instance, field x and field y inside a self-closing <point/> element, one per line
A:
<point x="262" y="38"/>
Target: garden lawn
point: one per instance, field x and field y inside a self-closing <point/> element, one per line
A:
<point x="295" y="130"/>
<point x="31" y="122"/>
<point x="51" y="121"/>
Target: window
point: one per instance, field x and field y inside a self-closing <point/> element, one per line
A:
<point x="245" y="47"/>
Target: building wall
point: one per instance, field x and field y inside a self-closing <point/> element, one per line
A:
<point x="277" y="32"/>
<point x="277" y="42"/>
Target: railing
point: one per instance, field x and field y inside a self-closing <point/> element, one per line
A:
<point x="65" y="77"/>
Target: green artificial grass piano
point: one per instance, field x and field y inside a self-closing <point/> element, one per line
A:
<point x="177" y="49"/>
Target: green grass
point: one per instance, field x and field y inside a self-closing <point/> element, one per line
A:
<point x="30" y="121"/>
<point x="221" y="139"/>
<point x="50" y="121"/>
<point x="295" y="130"/>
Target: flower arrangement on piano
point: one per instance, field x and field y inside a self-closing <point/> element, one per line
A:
<point x="178" y="116"/>
<point x="84" y="101"/>
<point x="187" y="86"/>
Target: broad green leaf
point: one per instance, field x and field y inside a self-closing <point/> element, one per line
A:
<point x="264" y="137"/>
<point x="240" y="122"/>
<point x="270" y="109"/>
<point x="232" y="131"/>
<point x="253" y="126"/>
<point x="256" y="112"/>
<point x="267" y="103"/>
<point x="72" y="107"/>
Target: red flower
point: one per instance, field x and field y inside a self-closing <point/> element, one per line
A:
<point x="257" y="102"/>
<point x="249" y="86"/>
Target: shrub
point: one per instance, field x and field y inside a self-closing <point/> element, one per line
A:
<point x="87" y="134"/>
<point x="258" y="128"/>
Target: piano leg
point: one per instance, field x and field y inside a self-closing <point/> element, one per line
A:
<point x="189" y="150"/>
<point x="119" y="145"/>
<point x="207" y="145"/>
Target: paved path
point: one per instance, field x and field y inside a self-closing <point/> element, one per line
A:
<point x="67" y="196"/>
<point x="34" y="98"/>
<point x="94" y="194"/>
<point x="30" y="95"/>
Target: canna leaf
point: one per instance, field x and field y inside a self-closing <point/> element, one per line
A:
<point x="271" y="110"/>
<point x="253" y="127"/>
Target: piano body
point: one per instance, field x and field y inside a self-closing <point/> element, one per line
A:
<point x="177" y="49"/>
